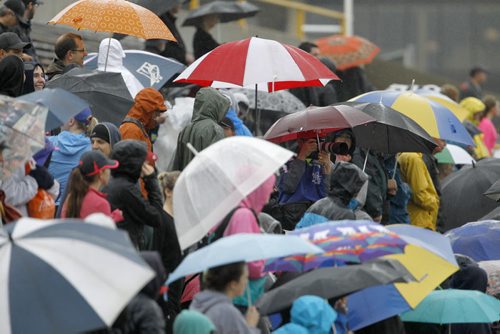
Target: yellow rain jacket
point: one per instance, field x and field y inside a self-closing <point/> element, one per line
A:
<point x="473" y="106"/>
<point x="424" y="203"/>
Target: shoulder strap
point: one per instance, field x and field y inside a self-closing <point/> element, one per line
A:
<point x="136" y="122"/>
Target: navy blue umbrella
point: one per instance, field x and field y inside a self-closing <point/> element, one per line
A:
<point x="150" y="69"/>
<point x="479" y="240"/>
<point x="62" y="105"/>
<point x="65" y="276"/>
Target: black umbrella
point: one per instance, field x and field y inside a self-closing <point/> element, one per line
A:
<point x="105" y="92"/>
<point x="227" y="11"/>
<point x="334" y="282"/>
<point x="494" y="192"/>
<point x="393" y="132"/>
<point x="492" y="215"/>
<point x="158" y="7"/>
<point x="462" y="192"/>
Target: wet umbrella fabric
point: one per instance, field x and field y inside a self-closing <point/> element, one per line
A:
<point x="316" y="121"/>
<point x="462" y="193"/>
<point x="393" y="132"/>
<point x="69" y="275"/>
<point x="452" y="306"/>
<point x="493" y="192"/>
<point x="217" y="179"/>
<point x="281" y="101"/>
<point x="241" y="247"/>
<point x="492" y="215"/>
<point x="150" y="69"/>
<point x="226" y="11"/>
<point x="455" y="155"/>
<point x="479" y="240"/>
<point x="492" y="268"/>
<point x="105" y="92"/>
<point x="62" y="105"/>
<point x="22" y="134"/>
<point x="333" y="282"/>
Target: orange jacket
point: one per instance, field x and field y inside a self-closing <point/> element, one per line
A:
<point x="146" y="103"/>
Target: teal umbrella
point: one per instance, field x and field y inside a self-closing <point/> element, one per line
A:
<point x="453" y="306"/>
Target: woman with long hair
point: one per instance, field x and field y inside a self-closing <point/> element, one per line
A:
<point x="84" y="196"/>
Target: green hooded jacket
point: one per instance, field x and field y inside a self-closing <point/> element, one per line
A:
<point x="210" y="107"/>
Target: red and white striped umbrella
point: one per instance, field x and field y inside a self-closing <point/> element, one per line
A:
<point x="270" y="65"/>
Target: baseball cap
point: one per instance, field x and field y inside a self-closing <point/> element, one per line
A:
<point x="93" y="162"/>
<point x="17" y="6"/>
<point x="10" y="40"/>
<point x="84" y="116"/>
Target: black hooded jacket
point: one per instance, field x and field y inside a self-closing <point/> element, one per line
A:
<point x="11" y="76"/>
<point x="124" y="192"/>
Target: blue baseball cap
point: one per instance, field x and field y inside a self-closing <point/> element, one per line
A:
<point x="84" y="116"/>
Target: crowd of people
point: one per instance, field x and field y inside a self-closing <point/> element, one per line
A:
<point x="94" y="166"/>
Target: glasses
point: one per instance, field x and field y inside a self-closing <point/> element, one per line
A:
<point x="79" y="50"/>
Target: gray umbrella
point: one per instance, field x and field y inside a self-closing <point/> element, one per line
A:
<point x="158" y="7"/>
<point x="462" y="192"/>
<point x="334" y="282"/>
<point x="492" y="215"/>
<point x="493" y="192"/>
<point x="105" y="92"/>
<point x="227" y="11"/>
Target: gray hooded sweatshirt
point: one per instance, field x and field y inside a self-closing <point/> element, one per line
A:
<point x="225" y="316"/>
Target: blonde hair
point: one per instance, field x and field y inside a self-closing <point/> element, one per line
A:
<point x="167" y="180"/>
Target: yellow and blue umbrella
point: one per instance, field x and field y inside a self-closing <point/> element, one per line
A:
<point x="436" y="119"/>
<point x="445" y="101"/>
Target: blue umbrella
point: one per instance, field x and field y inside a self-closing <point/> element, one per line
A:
<point x="479" y="240"/>
<point x="150" y="69"/>
<point x="62" y="105"/>
<point x="242" y="247"/>
<point x="430" y="240"/>
<point x="70" y="276"/>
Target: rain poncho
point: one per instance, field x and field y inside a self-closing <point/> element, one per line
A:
<point x="302" y="181"/>
<point x="474" y="106"/>
<point x="225" y="316"/>
<point x="424" y="204"/>
<point x="70" y="147"/>
<point x="193" y="322"/>
<point x="347" y="195"/>
<point x="313" y="313"/>
<point x="115" y="64"/>
<point x="210" y="108"/>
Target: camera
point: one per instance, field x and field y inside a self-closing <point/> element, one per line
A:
<point x="334" y="148"/>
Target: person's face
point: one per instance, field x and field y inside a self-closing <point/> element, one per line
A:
<point x="30" y="10"/>
<point x="315" y="52"/>
<point x="14" y="52"/>
<point x="481" y="77"/>
<point x="78" y="53"/>
<point x="38" y="78"/>
<point x="10" y="18"/>
<point x="210" y="21"/>
<point x="240" y="285"/>
<point x="104" y="176"/>
<point x="228" y="132"/>
<point x="99" y="144"/>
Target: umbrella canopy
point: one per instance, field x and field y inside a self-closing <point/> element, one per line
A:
<point x="479" y="240"/>
<point x="226" y="11"/>
<point x="158" y="7"/>
<point x="333" y="282"/>
<point x="392" y="132"/>
<point x="315" y="121"/>
<point x="241" y="247"/>
<point x="150" y="69"/>
<point x="462" y="193"/>
<point x="270" y="65"/>
<point x="113" y="16"/>
<point x="437" y="120"/>
<point x="217" y="179"/>
<point x="342" y="241"/>
<point x="454" y="306"/>
<point x="492" y="268"/>
<point x="347" y="51"/>
<point x="445" y="101"/>
<point x="69" y="275"/>
<point x="377" y="303"/>
<point x="62" y="105"/>
<point x="22" y="132"/>
<point x="454" y="155"/>
<point x="492" y="215"/>
<point x="105" y="92"/>
<point x="282" y="101"/>
<point x="493" y="192"/>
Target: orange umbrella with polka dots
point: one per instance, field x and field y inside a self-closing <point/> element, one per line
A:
<point x="114" y="16"/>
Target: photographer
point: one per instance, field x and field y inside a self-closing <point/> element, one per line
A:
<point x="304" y="180"/>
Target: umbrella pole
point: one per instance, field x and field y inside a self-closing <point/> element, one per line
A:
<point x="249" y="296"/>
<point x="366" y="159"/>
<point x="107" y="52"/>
<point x="257" y="114"/>
<point x="395" y="167"/>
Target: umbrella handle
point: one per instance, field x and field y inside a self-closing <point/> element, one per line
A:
<point x="395" y="167"/>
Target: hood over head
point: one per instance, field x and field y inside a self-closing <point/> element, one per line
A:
<point x="130" y="154"/>
<point x="346" y="132"/>
<point x="193" y="322"/>
<point x="153" y="259"/>
<point x="115" y="55"/>
<point x="210" y="104"/>
<point x="470" y="278"/>
<point x="260" y="196"/>
<point x="291" y="328"/>
<point x="108" y="132"/>
<point x="313" y="313"/>
<point x="205" y="299"/>
<point x="347" y="181"/>
<point x="11" y="76"/>
<point x="69" y="143"/>
<point x="146" y="103"/>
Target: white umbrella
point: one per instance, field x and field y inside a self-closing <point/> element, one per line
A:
<point x="217" y="179"/>
<point x="455" y="155"/>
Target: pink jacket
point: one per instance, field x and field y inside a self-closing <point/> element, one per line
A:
<point x="94" y="202"/>
<point x="489" y="132"/>
<point x="243" y="220"/>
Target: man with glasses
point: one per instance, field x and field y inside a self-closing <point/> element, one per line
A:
<point x="11" y="45"/>
<point x="70" y="51"/>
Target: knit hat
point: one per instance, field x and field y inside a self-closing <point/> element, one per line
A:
<point x="107" y="132"/>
